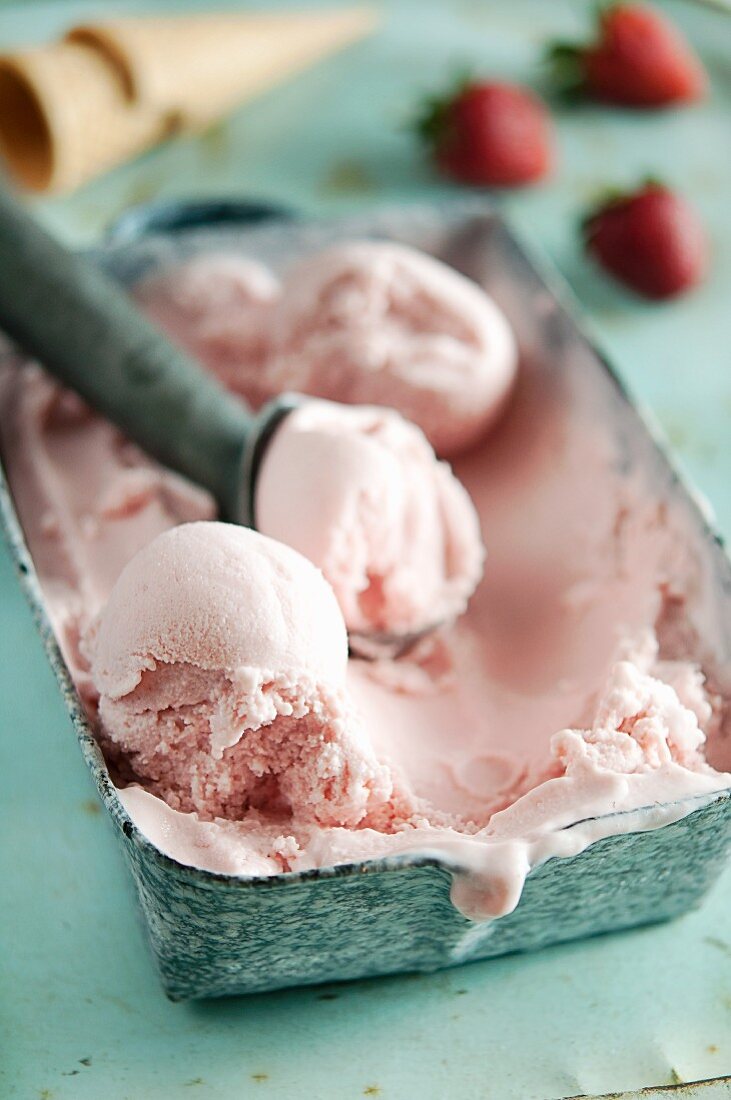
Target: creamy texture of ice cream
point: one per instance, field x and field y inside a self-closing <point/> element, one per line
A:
<point x="377" y="323"/>
<point x="218" y="307"/>
<point x="365" y="323"/>
<point x="359" y="492"/>
<point x="220" y="662"/>
<point x="584" y="691"/>
<point x="90" y="500"/>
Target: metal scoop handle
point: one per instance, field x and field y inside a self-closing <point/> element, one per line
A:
<point x="81" y="325"/>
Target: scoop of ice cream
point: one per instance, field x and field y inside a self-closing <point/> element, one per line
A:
<point x="359" y="492"/>
<point x="373" y="323"/>
<point x="217" y="307"/>
<point x="220" y="660"/>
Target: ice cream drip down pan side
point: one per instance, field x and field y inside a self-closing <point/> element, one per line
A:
<point x="214" y="934"/>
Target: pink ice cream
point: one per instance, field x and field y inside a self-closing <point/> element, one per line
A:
<point x="220" y="663"/>
<point x="642" y="723"/>
<point x="218" y="308"/>
<point x="584" y="691"/>
<point x="374" y="323"/>
<point x="358" y="491"/>
<point x="90" y="500"/>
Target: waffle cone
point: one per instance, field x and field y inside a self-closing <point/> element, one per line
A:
<point x="65" y="116"/>
<point x="198" y="67"/>
<point x="109" y="90"/>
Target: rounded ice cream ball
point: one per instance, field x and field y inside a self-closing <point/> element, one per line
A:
<point x="360" y="493"/>
<point x="373" y="323"/>
<point x="220" y="663"/>
<point x="216" y="306"/>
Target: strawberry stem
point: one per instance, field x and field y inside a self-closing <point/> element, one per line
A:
<point x="608" y="197"/>
<point x="566" y="64"/>
<point x="431" y="120"/>
<point x="614" y="195"/>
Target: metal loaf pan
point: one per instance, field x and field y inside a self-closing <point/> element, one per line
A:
<point x="213" y="934"/>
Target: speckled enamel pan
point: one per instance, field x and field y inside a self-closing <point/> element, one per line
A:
<point x="214" y="934"/>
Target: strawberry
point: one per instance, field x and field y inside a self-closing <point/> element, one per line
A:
<point x="498" y="135"/>
<point x="651" y="239"/>
<point x="639" y="59"/>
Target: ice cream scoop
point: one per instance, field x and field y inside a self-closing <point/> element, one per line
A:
<point x="220" y="662"/>
<point x="65" y="311"/>
<point x="379" y="323"/>
<point x="394" y="532"/>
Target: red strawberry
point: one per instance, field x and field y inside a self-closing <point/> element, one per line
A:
<point x="639" y="59"/>
<point x="487" y="133"/>
<point x="652" y="240"/>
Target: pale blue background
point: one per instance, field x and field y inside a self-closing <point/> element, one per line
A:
<point x="649" y="1007"/>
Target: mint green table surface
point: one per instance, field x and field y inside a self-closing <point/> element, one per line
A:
<point x="82" y="1014"/>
